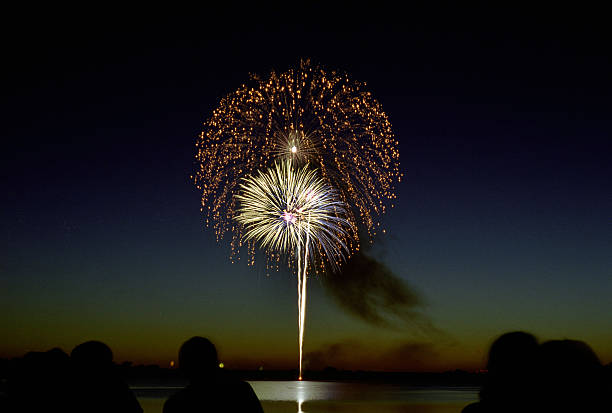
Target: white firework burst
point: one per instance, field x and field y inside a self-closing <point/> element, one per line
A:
<point x="285" y="208"/>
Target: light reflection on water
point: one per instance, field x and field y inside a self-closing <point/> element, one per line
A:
<point x="301" y="390"/>
<point x="338" y="397"/>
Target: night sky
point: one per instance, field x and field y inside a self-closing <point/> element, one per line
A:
<point x="502" y="221"/>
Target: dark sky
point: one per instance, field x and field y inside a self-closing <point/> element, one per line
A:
<point x="502" y="221"/>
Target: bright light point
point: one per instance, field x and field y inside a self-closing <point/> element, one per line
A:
<point x="172" y="363"/>
<point x="289" y="217"/>
<point x="293" y="149"/>
<point x="221" y="365"/>
<point x="300" y="378"/>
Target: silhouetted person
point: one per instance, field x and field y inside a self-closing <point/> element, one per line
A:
<point x="38" y="382"/>
<point x="572" y="378"/>
<point x="97" y="387"/>
<point x="510" y="385"/>
<point x="4" y="373"/>
<point x="209" y="389"/>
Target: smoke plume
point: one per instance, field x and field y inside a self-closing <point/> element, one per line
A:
<point x="367" y="289"/>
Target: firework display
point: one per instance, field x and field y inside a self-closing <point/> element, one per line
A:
<point x="309" y="115"/>
<point x="298" y="164"/>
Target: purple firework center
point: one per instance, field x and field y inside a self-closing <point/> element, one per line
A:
<point x="290" y="217"/>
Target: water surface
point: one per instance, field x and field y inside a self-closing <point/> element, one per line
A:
<point x="337" y="397"/>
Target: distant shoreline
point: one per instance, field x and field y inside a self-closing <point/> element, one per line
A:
<point x="457" y="378"/>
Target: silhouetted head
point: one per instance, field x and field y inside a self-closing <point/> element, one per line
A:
<point x="57" y="362"/>
<point x="58" y="355"/>
<point x="512" y="353"/>
<point x="92" y="356"/>
<point x="198" y="359"/>
<point x="571" y="375"/>
<point x="572" y="356"/>
<point x="44" y="365"/>
<point x="39" y="380"/>
<point x="511" y="364"/>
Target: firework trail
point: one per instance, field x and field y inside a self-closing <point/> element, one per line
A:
<point x="292" y="211"/>
<point x="297" y="164"/>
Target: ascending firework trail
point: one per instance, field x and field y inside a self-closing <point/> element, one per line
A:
<point x="301" y="161"/>
<point x="292" y="211"/>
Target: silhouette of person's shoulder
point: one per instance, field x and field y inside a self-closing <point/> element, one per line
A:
<point x="219" y="395"/>
<point x="475" y="407"/>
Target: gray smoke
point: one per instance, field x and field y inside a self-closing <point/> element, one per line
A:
<point x="367" y="289"/>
